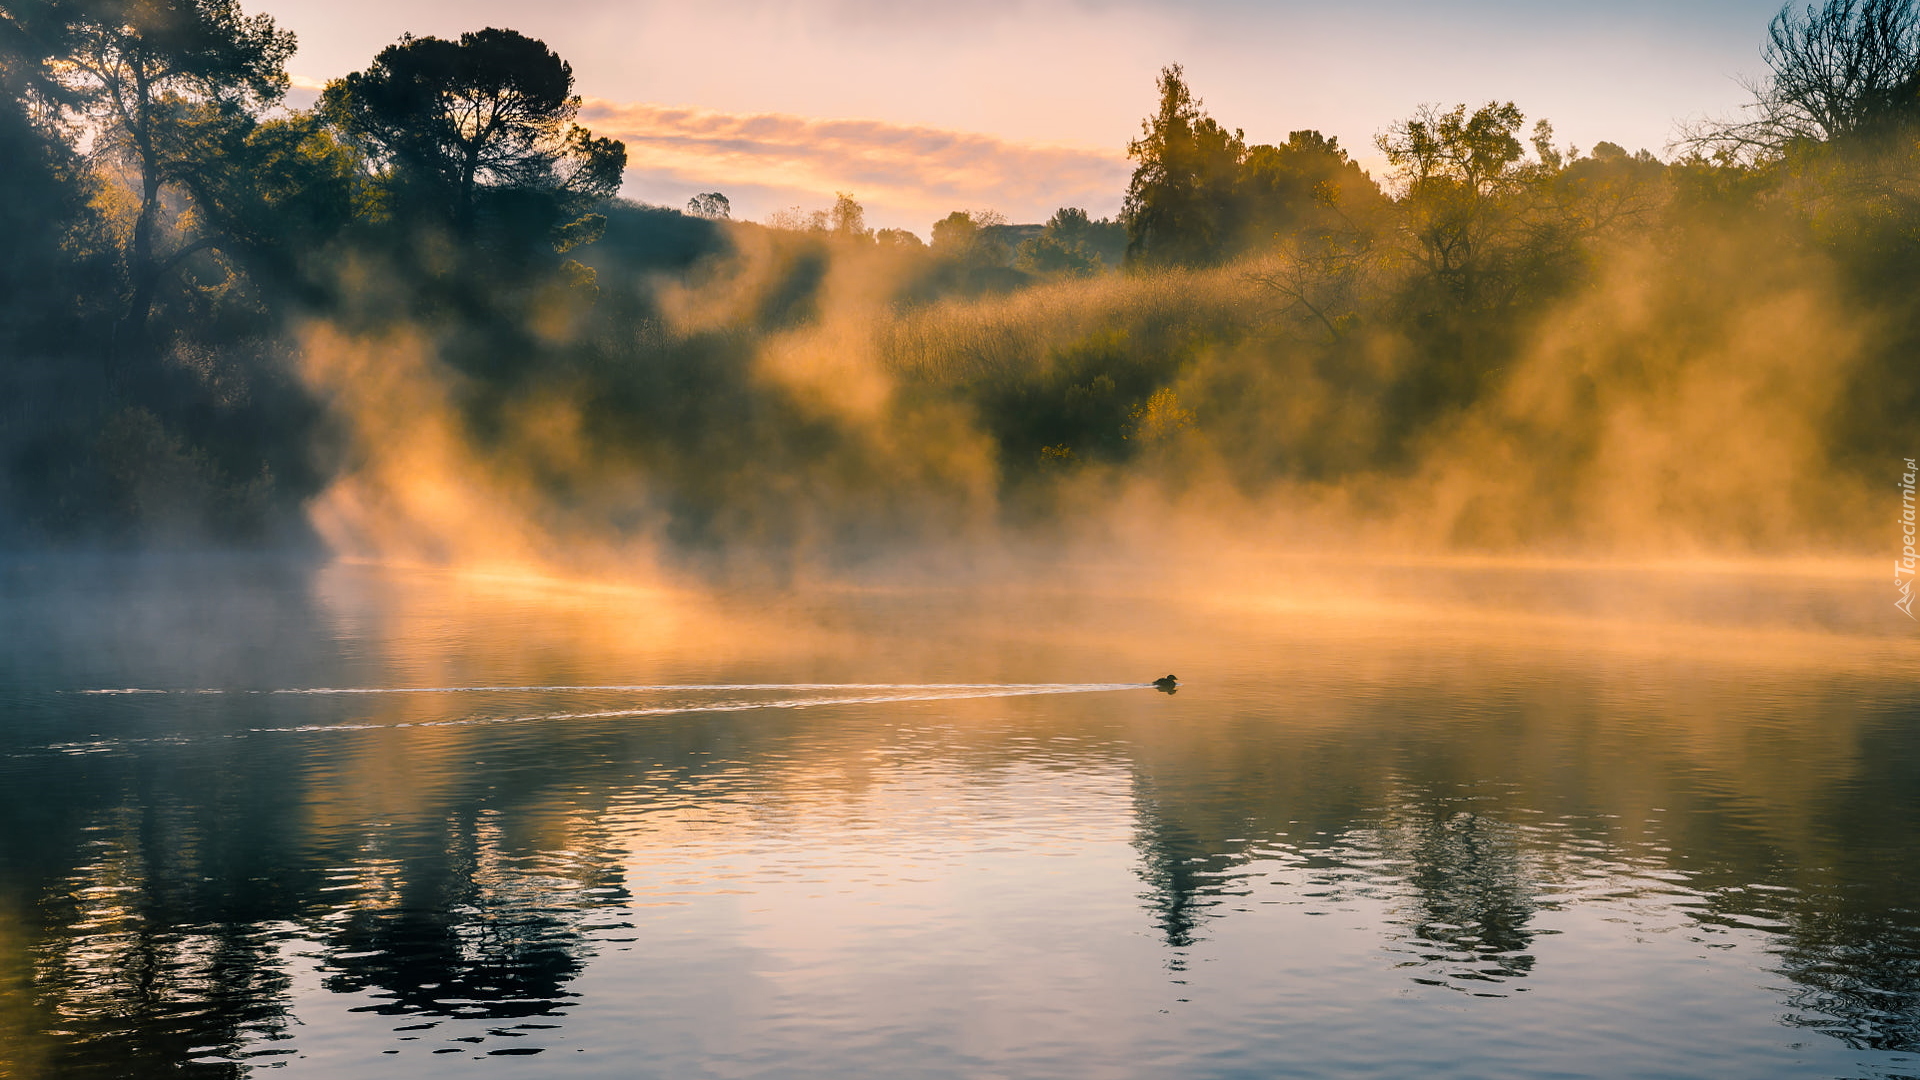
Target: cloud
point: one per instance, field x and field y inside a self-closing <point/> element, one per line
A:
<point x="903" y="174"/>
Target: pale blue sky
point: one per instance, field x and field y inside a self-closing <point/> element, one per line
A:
<point x="1077" y="73"/>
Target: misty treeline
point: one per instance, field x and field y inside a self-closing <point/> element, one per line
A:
<point x="417" y="318"/>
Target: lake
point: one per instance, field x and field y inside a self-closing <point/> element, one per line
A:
<point x="1451" y="818"/>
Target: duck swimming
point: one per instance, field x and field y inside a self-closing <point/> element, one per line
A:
<point x="1166" y="684"/>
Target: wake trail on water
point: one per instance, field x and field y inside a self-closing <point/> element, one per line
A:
<point x="988" y="689"/>
<point x="935" y="692"/>
<point x="895" y="692"/>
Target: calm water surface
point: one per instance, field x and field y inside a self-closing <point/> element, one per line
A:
<point x="1427" y="821"/>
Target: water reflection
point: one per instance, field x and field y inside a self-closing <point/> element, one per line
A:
<point x="462" y="927"/>
<point x="1179" y="868"/>
<point x="1856" y="980"/>
<point x="217" y="883"/>
<point x="1472" y="896"/>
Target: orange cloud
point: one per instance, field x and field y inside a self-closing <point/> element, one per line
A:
<point x="907" y="173"/>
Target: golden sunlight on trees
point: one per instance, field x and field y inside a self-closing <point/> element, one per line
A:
<point x="1159" y="418"/>
<point x="1201" y="196"/>
<point x="152" y="76"/>
<point x="1177" y="203"/>
<point x="1506" y="322"/>
<point x="846" y="219"/>
<point x="1459" y="174"/>
<point x="965" y="234"/>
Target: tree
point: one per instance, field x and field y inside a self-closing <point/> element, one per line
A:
<point x="1073" y="245"/>
<point x="145" y="70"/>
<point x="1843" y="68"/>
<point x="898" y="238"/>
<point x="1304" y="188"/>
<point x="1179" y="203"/>
<point x="1070" y="223"/>
<point x="276" y="190"/>
<point x="1458" y="172"/>
<point x="955" y="233"/>
<point x="963" y="235"/>
<point x="1049" y="256"/>
<point x="1839" y="70"/>
<point x="45" y="186"/>
<point x="453" y="121"/>
<point x="710" y="205"/>
<point x="1475" y="153"/>
<point x="848" y="219"/>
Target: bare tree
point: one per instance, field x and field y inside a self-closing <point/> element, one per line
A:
<point x="1843" y="69"/>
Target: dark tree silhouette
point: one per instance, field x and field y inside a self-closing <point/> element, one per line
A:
<point x="1842" y="68"/>
<point x="45" y="186"/>
<point x="1836" y="71"/>
<point x="493" y="110"/>
<point x="710" y="205"/>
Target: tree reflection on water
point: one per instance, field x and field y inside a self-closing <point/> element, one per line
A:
<point x="172" y="875"/>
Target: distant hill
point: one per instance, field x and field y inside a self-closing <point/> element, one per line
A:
<point x="653" y="238"/>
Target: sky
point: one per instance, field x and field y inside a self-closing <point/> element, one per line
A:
<point x="921" y="107"/>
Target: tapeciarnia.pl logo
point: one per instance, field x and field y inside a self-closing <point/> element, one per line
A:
<point x="1903" y="567"/>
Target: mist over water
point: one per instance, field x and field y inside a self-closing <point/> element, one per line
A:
<point x="455" y="619"/>
<point x="1461" y="819"/>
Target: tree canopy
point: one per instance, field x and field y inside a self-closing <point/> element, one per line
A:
<point x="494" y="110"/>
<point x="151" y="75"/>
<point x="172" y="231"/>
<point x="1178" y="201"/>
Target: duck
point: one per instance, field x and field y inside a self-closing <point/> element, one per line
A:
<point x="1166" y="683"/>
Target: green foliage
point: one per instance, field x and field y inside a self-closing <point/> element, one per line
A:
<point x="124" y="55"/>
<point x="159" y="485"/>
<point x="1178" y="204"/>
<point x="274" y="191"/>
<point x="1073" y="245"/>
<point x="452" y="122"/>
<point x="1047" y="255"/>
<point x="1200" y="195"/>
<point x="822" y="382"/>
<point x="972" y="254"/>
<point x="1451" y="149"/>
<point x="1306" y="186"/>
<point x="148" y="74"/>
<point x="965" y="236"/>
<point x="1472" y="209"/>
<point x="45" y="196"/>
